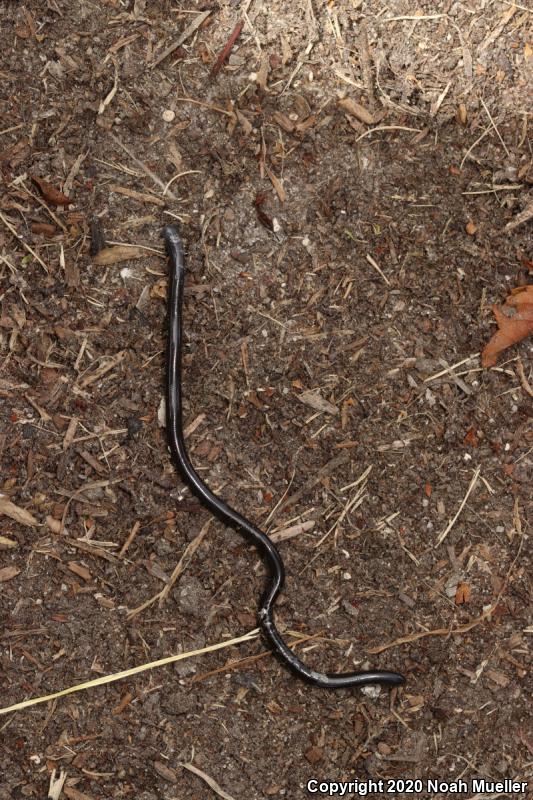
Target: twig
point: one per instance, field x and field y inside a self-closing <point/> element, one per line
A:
<point x="210" y="781"/>
<point x="178" y="569"/>
<point x="131" y="536"/>
<point x="413" y="17"/>
<point x="377" y="268"/>
<point x="110" y="95"/>
<point x="244" y="662"/>
<point x="449" y="369"/>
<point x="23" y="243"/>
<point x="452" y="522"/>
<point x="478" y="140"/>
<point x="294" y="530"/>
<point x="142" y="166"/>
<point x="414" y="637"/>
<point x="236" y="32"/>
<point x="127" y="673"/>
<point x="387" y="128"/>
<point x="180" y="175"/>
<point x="495" y="128"/>
<point x="195" y="24"/>
<point x="524" y="216"/>
<point x="210" y="106"/>
<point x="523" y="380"/>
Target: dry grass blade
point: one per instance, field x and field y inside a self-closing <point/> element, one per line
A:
<point x="387" y="128"/>
<point x="195" y="24"/>
<point x="521" y="218"/>
<point x="207" y="779"/>
<point x="142" y="165"/>
<point x="23" y="243"/>
<point x="452" y="522"/>
<point x="127" y="673"/>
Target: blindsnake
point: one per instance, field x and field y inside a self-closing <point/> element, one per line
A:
<point x="222" y="510"/>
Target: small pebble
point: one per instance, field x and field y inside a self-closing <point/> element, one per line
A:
<point x="168" y="115"/>
<point x="471" y="228"/>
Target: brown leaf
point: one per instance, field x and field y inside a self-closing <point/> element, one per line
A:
<point x="50" y="193"/>
<point x="510" y="329"/>
<point x="113" y="255"/>
<point x="7" y="573"/>
<point x="44" y="228"/>
<point x="463" y="594"/>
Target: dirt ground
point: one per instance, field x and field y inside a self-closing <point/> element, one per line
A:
<point x="343" y="183"/>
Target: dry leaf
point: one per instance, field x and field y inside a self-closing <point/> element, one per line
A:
<point x="43" y="228"/>
<point x="113" y="255"/>
<point x="15" y="512"/>
<point x="463" y="594"/>
<point x="510" y="329"/>
<point x="50" y="193"/>
<point x="7" y="573"/>
<point x="7" y="544"/>
<point x="316" y="401"/>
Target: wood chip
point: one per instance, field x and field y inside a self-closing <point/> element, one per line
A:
<point x="283" y="121"/>
<point x="498" y="677"/>
<point x="69" y="435"/>
<point x="357" y="110"/>
<point x="262" y="74"/>
<point x="81" y="572"/>
<point x="116" y="254"/>
<point x="75" y="794"/>
<point x="293" y="530"/>
<point x="7" y="573"/>
<point x="15" y="512"/>
<point x="315" y="400"/>
<point x="142" y="197"/>
<point x="103" y="369"/>
<point x="277" y="184"/>
<point x="165" y="772"/>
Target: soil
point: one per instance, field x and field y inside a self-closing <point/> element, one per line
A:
<point x="339" y="258"/>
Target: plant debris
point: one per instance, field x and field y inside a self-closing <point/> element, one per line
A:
<point x="511" y="329"/>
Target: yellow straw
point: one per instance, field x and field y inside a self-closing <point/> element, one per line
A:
<point x="117" y="676"/>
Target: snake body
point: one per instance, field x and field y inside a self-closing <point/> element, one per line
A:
<point x="221" y="509"/>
